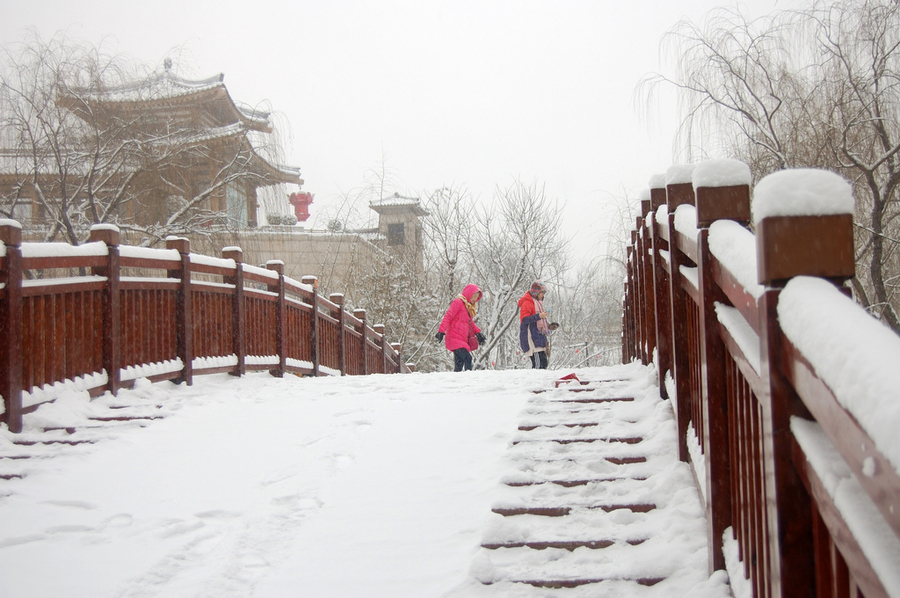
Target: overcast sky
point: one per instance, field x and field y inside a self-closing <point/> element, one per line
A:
<point x="468" y="93"/>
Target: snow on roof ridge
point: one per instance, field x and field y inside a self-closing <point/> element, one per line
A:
<point x="156" y="79"/>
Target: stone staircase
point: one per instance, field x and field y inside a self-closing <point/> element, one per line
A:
<point x="72" y="426"/>
<point x="596" y="502"/>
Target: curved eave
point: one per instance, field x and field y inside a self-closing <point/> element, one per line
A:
<point x="214" y="94"/>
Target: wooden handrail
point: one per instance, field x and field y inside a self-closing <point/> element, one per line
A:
<point x="740" y="388"/>
<point x="190" y="314"/>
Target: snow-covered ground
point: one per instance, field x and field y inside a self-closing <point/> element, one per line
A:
<point x="354" y="486"/>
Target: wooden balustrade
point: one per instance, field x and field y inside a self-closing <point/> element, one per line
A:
<point x="192" y="315"/>
<point x="745" y="397"/>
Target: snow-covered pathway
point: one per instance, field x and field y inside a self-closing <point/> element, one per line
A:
<point x="356" y="486"/>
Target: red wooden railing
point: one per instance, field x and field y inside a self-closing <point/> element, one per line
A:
<point x="763" y="430"/>
<point x="195" y="315"/>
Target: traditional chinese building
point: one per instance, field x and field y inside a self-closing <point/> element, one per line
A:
<point x="186" y="153"/>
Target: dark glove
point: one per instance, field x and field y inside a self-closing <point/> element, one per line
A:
<point x="439" y="337"/>
<point x="480" y="338"/>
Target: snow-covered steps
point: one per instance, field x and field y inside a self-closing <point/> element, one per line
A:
<point x="70" y="423"/>
<point x="594" y="500"/>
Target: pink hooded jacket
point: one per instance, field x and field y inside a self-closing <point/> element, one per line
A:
<point x="457" y="325"/>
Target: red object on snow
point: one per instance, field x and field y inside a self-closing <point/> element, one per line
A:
<point x="301" y="202"/>
<point x="567" y="378"/>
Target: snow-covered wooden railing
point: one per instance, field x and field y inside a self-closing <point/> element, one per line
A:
<point x="787" y="393"/>
<point x="195" y="315"/>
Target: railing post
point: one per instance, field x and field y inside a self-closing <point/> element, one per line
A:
<point x="733" y="203"/>
<point x="677" y="194"/>
<point x="789" y="246"/>
<point x="314" y="322"/>
<point x="360" y="314"/>
<point x="112" y="332"/>
<point x="662" y="312"/>
<point x="239" y="342"/>
<point x="641" y="316"/>
<point x="397" y="347"/>
<point x="379" y="329"/>
<point x="649" y="304"/>
<point x="277" y="266"/>
<point x="338" y="299"/>
<point x="184" y="309"/>
<point x="629" y="335"/>
<point x="11" y="324"/>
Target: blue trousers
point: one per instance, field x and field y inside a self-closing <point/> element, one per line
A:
<point x="462" y="360"/>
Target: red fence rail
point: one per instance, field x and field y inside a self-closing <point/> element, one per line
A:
<point x="798" y="475"/>
<point x="194" y="315"/>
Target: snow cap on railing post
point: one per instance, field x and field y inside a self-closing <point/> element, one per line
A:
<point x="645" y="202"/>
<point x="722" y="192"/>
<point x="11" y="324"/>
<point x="804" y="226"/>
<point x="10" y="232"/>
<point x="679" y="189"/>
<point x="657" y="186"/>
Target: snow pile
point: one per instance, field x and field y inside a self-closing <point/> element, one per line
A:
<point x="876" y="539"/>
<point x="735" y="247"/>
<point x="94" y="249"/>
<point x="352" y="486"/>
<point x="662" y="215"/>
<point x="743" y="334"/>
<point x="854" y="354"/>
<point x="679" y="174"/>
<point x="686" y="220"/>
<point x="149" y="253"/>
<point x="657" y="181"/>
<point x="801" y="192"/>
<point x="721" y="173"/>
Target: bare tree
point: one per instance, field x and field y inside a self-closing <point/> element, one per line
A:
<point x="825" y="97"/>
<point x="589" y="303"/>
<point x="88" y="137"/>
<point x="512" y="242"/>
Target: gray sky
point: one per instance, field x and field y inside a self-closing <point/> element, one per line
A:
<point x="468" y="93"/>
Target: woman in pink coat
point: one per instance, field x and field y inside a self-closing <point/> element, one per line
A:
<point x="458" y="329"/>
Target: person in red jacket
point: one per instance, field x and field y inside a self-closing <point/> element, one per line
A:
<point x="458" y="329"/>
<point x="533" y="328"/>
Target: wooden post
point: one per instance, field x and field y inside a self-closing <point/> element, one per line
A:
<point x="379" y="329"/>
<point x="112" y="333"/>
<point x="184" y="322"/>
<point x="277" y="266"/>
<point x="642" y="255"/>
<point x="238" y="342"/>
<point x="360" y="314"/>
<point x="338" y="299"/>
<point x="732" y="203"/>
<point x="678" y="195"/>
<point x="789" y="246"/>
<point x="648" y="307"/>
<point x="314" y="322"/>
<point x="11" y="324"/>
<point x="662" y="311"/>
<point x="397" y="347"/>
